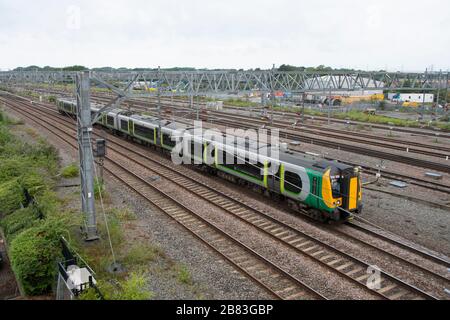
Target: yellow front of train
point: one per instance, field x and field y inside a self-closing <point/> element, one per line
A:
<point x="345" y="192"/>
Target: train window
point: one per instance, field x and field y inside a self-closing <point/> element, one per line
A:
<point x="336" y="186"/>
<point x="292" y="182"/>
<point x="200" y="149"/>
<point x="144" y="132"/>
<point x="253" y="169"/>
<point x="167" y="140"/>
<point x="228" y="160"/>
<point x="124" y="125"/>
<point x="110" y="120"/>
<point x="277" y="175"/>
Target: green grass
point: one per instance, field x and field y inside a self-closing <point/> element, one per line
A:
<point x="140" y="254"/>
<point x="71" y="171"/>
<point x="183" y="275"/>
<point x="99" y="189"/>
<point x="363" y="117"/>
<point x="123" y="214"/>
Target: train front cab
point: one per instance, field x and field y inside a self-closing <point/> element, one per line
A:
<point x="346" y="186"/>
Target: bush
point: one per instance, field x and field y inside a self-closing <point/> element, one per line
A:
<point x="71" y="171"/>
<point x="49" y="204"/>
<point x="132" y="288"/>
<point x="34" y="254"/>
<point x="5" y="138"/>
<point x="18" y="221"/>
<point x="89" y="294"/>
<point x="12" y="167"/>
<point x="11" y="197"/>
<point x="33" y="182"/>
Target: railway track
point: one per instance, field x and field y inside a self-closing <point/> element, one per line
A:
<point x="291" y="133"/>
<point x="330" y="257"/>
<point x="265" y="273"/>
<point x="424" y="131"/>
<point x="430" y="131"/>
<point x="439" y="152"/>
<point x="237" y="121"/>
<point x="358" y="149"/>
<point x="432" y="185"/>
<point x="245" y="212"/>
<point x="364" y="226"/>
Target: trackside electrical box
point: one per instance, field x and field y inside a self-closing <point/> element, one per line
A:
<point x="100" y="148"/>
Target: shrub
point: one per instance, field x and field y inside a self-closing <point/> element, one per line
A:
<point x="34" y="254"/>
<point x="132" y="288"/>
<point x="71" y="171"/>
<point x="11" y="197"/>
<point x="48" y="203"/>
<point x="18" y="221"/>
<point x="5" y="138"/>
<point x="34" y="182"/>
<point x="89" y="294"/>
<point x="12" y="167"/>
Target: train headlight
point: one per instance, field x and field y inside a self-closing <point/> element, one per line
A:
<point x="338" y="202"/>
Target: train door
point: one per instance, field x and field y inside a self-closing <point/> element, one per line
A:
<point x="315" y="190"/>
<point x="273" y="178"/>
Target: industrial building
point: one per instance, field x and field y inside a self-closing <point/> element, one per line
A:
<point x="411" y="97"/>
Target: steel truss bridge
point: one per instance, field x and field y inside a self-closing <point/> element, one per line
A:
<point x="208" y="82"/>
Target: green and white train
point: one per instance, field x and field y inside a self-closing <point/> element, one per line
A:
<point x="325" y="190"/>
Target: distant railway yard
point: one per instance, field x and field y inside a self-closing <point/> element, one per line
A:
<point x="380" y="231"/>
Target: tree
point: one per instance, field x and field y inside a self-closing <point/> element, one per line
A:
<point x="75" y="68"/>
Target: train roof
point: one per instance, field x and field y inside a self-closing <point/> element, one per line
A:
<point x="288" y="156"/>
<point x="74" y="102"/>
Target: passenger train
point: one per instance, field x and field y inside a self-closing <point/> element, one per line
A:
<point x="325" y="190"/>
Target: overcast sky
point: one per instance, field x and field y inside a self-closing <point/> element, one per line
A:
<point x="406" y="35"/>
